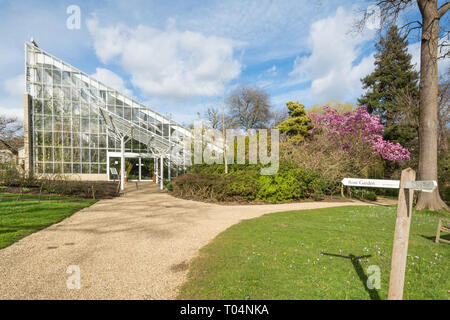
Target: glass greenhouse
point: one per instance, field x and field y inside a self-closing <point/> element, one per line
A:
<point x="77" y="126"/>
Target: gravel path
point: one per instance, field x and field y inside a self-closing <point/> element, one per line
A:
<point x="134" y="247"/>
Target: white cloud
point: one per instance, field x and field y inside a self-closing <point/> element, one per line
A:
<point x="168" y="63"/>
<point x="332" y="67"/>
<point x="11" y="103"/>
<point x="111" y="79"/>
<point x="15" y="86"/>
<point x="12" y="107"/>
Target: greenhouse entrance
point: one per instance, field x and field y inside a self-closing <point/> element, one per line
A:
<point x="137" y="168"/>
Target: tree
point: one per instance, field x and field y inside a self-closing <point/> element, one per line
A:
<point x="394" y="75"/>
<point x="10" y="136"/>
<point x="214" y="117"/>
<point x="358" y="133"/>
<point x="249" y="108"/>
<point x="428" y="89"/>
<point x="297" y="125"/>
<point x="444" y="112"/>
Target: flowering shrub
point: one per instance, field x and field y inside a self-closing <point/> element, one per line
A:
<point x="357" y="133"/>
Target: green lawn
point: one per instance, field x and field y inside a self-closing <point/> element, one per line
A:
<point x="21" y="218"/>
<point x="315" y="254"/>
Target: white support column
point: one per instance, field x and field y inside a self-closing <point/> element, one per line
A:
<point x="140" y="168"/>
<point x="162" y="173"/>
<point x="184" y="160"/>
<point x="156" y="170"/>
<point x="122" y="163"/>
<point x="169" y="174"/>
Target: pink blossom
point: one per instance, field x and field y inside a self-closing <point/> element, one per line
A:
<point x="357" y="132"/>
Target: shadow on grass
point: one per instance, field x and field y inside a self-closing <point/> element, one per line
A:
<point x="433" y="238"/>
<point x="373" y="293"/>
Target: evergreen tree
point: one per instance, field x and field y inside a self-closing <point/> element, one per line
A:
<point x="298" y="124"/>
<point x="393" y="91"/>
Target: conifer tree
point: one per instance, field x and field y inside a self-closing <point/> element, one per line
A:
<point x="298" y="124"/>
<point x="392" y="88"/>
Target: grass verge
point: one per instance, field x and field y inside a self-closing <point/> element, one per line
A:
<point x="21" y="216"/>
<point x="318" y="254"/>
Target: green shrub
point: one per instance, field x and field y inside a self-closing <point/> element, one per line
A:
<point x="244" y="183"/>
<point x="364" y="194"/>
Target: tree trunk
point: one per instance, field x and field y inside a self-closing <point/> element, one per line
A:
<point x="442" y="134"/>
<point x="428" y="105"/>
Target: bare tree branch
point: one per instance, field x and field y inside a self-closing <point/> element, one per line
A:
<point x="443" y="9"/>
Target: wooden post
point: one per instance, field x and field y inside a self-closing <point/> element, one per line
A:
<point x="438" y="233"/>
<point x="401" y="236"/>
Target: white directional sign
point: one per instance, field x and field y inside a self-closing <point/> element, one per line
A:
<point x="425" y="186"/>
<point x="372" y="183"/>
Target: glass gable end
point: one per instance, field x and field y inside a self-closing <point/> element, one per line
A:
<point x="73" y="116"/>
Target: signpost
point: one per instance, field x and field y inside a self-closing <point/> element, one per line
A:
<point x="407" y="185"/>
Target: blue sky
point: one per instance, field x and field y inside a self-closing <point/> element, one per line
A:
<point x="179" y="57"/>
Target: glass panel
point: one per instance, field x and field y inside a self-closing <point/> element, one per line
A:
<point x="48" y="156"/>
<point x="57" y="154"/>
<point x="40" y="153"/>
<point x="76" y="155"/>
<point x="85" y="168"/>
<point x="94" y="168"/>
<point x="67" y="168"/>
<point x="67" y="139"/>
<point x="57" y="93"/>
<point x="127" y="112"/>
<point x="57" y="139"/>
<point x="102" y="156"/>
<point x="94" y="155"/>
<point x="56" y="77"/>
<point x="84" y="109"/>
<point x="49" y="168"/>
<point x="37" y="103"/>
<point x="102" y="141"/>
<point x="76" y="168"/>
<point x="38" y="123"/>
<point x="67" y="124"/>
<point x="48" y="107"/>
<point x="48" y="76"/>
<point x="57" y="124"/>
<point x="85" y="140"/>
<point x="94" y="126"/>
<point x="76" y="109"/>
<point x="66" y="78"/>
<point x="67" y="155"/>
<point x="85" y="156"/>
<point x="39" y="138"/>
<point x="57" y="168"/>
<point x="76" y="141"/>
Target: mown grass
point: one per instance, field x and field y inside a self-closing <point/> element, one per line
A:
<point x="318" y="254"/>
<point x="23" y="215"/>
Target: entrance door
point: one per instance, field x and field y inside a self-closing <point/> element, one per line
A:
<point x="132" y="169"/>
<point x="147" y="169"/>
<point x="136" y="169"/>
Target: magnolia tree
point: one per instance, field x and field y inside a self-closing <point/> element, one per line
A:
<point x="357" y="133"/>
<point x="348" y="144"/>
